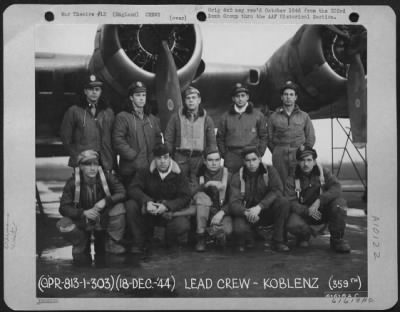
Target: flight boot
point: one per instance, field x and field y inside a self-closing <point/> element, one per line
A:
<point x="279" y="246"/>
<point x="338" y="244"/>
<point x="100" y="248"/>
<point x="201" y="242"/>
<point x="114" y="247"/>
<point x="303" y="241"/>
<point x="136" y="250"/>
<point x="220" y="240"/>
<point x="82" y="260"/>
<point x="250" y="243"/>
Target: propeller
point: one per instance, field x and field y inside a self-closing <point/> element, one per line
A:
<point x="356" y="81"/>
<point x="357" y="101"/>
<point x="168" y="92"/>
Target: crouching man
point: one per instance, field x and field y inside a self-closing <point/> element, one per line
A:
<point x="92" y="203"/>
<point x="315" y="196"/>
<point x="210" y="200"/>
<point x="158" y="196"/>
<point x="256" y="199"/>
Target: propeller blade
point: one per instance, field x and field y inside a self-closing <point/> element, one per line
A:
<point x="357" y="101"/>
<point x="168" y="92"/>
<point x="358" y="44"/>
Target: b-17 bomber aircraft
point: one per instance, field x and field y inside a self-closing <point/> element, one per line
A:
<point x="327" y="62"/>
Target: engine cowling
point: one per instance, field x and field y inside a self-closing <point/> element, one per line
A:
<point x="127" y="53"/>
<point x="328" y="62"/>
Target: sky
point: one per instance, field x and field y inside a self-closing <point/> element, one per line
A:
<point x="250" y="44"/>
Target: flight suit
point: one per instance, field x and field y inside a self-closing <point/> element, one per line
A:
<point x="209" y="200"/>
<point x="74" y="226"/>
<point x="333" y="206"/>
<point x="263" y="188"/>
<point x="286" y="134"/>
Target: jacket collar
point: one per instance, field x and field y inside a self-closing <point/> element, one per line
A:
<point x="175" y="168"/>
<point x="136" y="114"/>
<point x="200" y="112"/>
<point x="281" y="109"/>
<point x="248" y="110"/>
<point x="262" y="169"/>
<point x="129" y="108"/>
<point x="203" y="171"/>
<point x="101" y="104"/>
<point x="314" y="172"/>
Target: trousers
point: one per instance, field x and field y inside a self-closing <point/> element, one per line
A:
<point x="275" y="215"/>
<point x="105" y="240"/>
<point x="205" y="212"/>
<point x="142" y="226"/>
<point x="189" y="165"/>
<point x="284" y="160"/>
<point x="334" y="214"/>
<point x="233" y="160"/>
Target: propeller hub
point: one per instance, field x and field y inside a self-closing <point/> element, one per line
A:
<point x="142" y="43"/>
<point x="341" y="43"/>
<point x="149" y="39"/>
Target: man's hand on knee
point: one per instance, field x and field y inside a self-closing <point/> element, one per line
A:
<point x="217" y="219"/>
<point x="314" y="212"/>
<point x="253" y="213"/>
<point x="161" y="208"/>
<point x="91" y="214"/>
<point x="151" y="207"/>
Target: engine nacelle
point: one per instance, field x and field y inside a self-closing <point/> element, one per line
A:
<point x="328" y="62"/>
<point x="127" y="53"/>
<point x="315" y="58"/>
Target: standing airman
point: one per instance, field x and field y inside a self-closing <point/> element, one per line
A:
<point x="88" y="125"/>
<point x="136" y="132"/>
<point x="242" y="125"/>
<point x="189" y="132"/>
<point x="288" y="128"/>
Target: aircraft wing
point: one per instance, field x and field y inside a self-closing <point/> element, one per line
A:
<point x="58" y="79"/>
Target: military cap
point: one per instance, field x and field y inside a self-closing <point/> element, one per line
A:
<point x="211" y="150"/>
<point x="289" y="85"/>
<point x="250" y="149"/>
<point x="87" y="155"/>
<point x="160" y="149"/>
<point x="239" y="87"/>
<point x="305" y="150"/>
<point x="93" y="81"/>
<point x="137" y="87"/>
<point x="191" y="90"/>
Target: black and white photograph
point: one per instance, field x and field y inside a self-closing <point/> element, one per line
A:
<point x="195" y="159"/>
